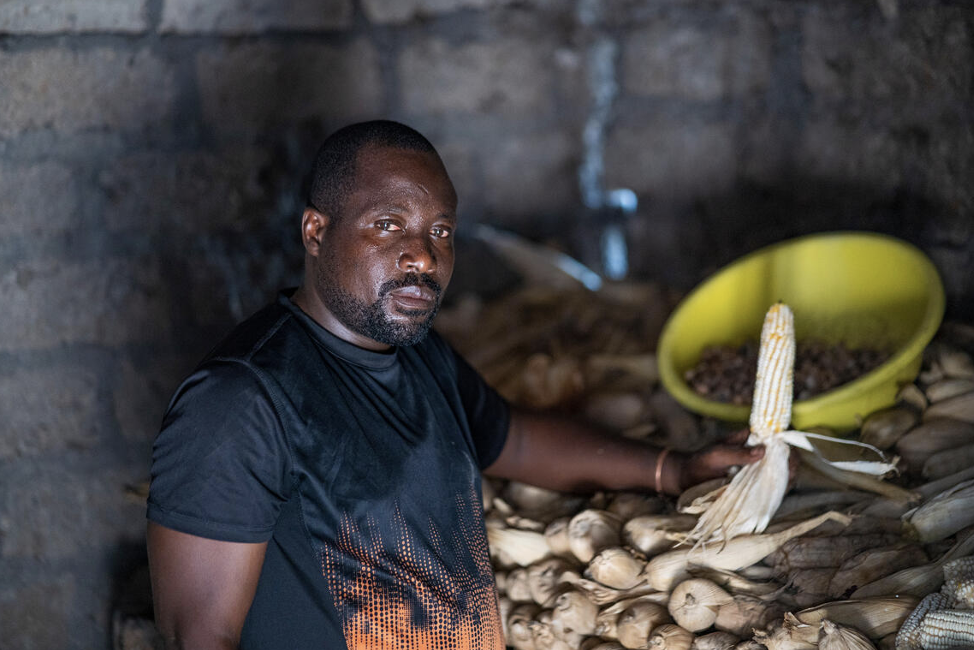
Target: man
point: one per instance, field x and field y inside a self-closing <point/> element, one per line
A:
<point x="316" y="481"/>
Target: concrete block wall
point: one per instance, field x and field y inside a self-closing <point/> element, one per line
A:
<point x="152" y="155"/>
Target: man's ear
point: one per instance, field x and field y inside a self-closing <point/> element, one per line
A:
<point x="313" y="227"/>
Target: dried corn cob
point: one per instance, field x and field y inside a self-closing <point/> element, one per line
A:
<point x="946" y="629"/>
<point x="747" y="503"/>
<point x="908" y="637"/>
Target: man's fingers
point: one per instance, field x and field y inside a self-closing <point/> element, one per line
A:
<point x="738" y="437"/>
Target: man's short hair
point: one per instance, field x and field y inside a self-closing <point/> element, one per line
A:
<point x="333" y="174"/>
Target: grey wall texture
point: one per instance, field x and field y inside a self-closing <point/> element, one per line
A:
<point x="153" y="153"/>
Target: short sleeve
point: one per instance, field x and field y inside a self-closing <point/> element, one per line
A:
<point x="487" y="412"/>
<point x="220" y="464"/>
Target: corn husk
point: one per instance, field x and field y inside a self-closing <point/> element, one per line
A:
<point x="573" y="614"/>
<point x="943" y="515"/>
<point x="511" y="545"/>
<point x="810" y="586"/>
<point x="933" y="435"/>
<point x="947" y="462"/>
<point x="602" y="595"/>
<point x="875" y="617"/>
<point x="518" y="586"/>
<point x="545" y="638"/>
<point x="616" y="410"/>
<point x="518" y="631"/>
<point x="591" y="531"/>
<point x="955" y="363"/>
<point x="629" y="505"/>
<point x="790" y="634"/>
<point x="653" y="534"/>
<point x="544" y="576"/>
<point x="715" y="641"/>
<point x="615" y="567"/>
<point x="694" y="603"/>
<point x="667" y="569"/>
<point x="839" y="637"/>
<point x="919" y="580"/>
<point x="743" y="614"/>
<point x="670" y="637"/>
<point x="736" y="583"/>
<point x="556" y="535"/>
<point x="872" y="564"/>
<point x="913" y="396"/>
<point x="824" y="551"/>
<point x="960" y="407"/>
<point x="883" y="428"/>
<point x="947" y="388"/>
<point x="637" y="620"/>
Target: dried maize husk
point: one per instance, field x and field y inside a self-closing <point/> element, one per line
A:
<point x="943" y="515"/>
<point x="670" y="637"/>
<point x="608" y="617"/>
<point x="616" y="411"/>
<point x="960" y="407"/>
<point x="521" y="547"/>
<point x="874" y="617"/>
<point x="858" y="479"/>
<point x="883" y="428"/>
<point x="629" y="505"/>
<point x="544" y="577"/>
<point x="637" y="620"/>
<point x="955" y="363"/>
<point x="810" y="587"/>
<point x="592" y="530"/>
<point x="872" y="564"/>
<point x="715" y="641"/>
<point x="737" y="584"/>
<point x="652" y="534"/>
<point x="504" y="607"/>
<point x="527" y="498"/>
<point x="518" y="631"/>
<point x="947" y="388"/>
<point x="667" y="569"/>
<point x="694" y="603"/>
<point x="912" y="396"/>
<point x="556" y="535"/>
<point x="919" y="580"/>
<point x="824" y="550"/>
<point x="545" y="638"/>
<point x="743" y="614"/>
<point x="598" y="644"/>
<point x="615" y="567"/>
<point x="790" y="634"/>
<point x="933" y="435"/>
<point x="518" y="586"/>
<point x="949" y="461"/>
<point x="840" y="637"/>
<point x="573" y="614"/>
<point x="602" y="595"/>
<point x="809" y="504"/>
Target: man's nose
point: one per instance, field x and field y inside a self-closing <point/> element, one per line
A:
<point x="417" y="256"/>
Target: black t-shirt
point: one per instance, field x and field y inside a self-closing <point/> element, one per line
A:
<point x="360" y="469"/>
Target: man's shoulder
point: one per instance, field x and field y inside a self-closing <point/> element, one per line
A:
<point x="266" y="329"/>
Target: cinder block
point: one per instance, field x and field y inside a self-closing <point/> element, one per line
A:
<point x="254" y="16"/>
<point x="192" y="192"/>
<point x="851" y="155"/>
<point x="48" y="410"/>
<point x="70" y="91"/>
<point x="48" y="303"/>
<point x="531" y="177"/>
<point x="57" y="16"/>
<point x="34" y="616"/>
<point x="251" y="87"/>
<point x="38" y="198"/>
<point x="695" y="61"/>
<point x="401" y="11"/>
<point x="509" y="76"/>
<point x="672" y="159"/>
<point x="926" y="54"/>
<point x="53" y="511"/>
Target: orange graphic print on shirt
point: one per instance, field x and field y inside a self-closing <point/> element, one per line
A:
<point x="418" y="592"/>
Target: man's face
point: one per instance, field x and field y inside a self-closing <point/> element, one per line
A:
<point x="385" y="262"/>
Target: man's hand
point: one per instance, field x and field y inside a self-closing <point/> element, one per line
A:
<point x="716" y="461"/>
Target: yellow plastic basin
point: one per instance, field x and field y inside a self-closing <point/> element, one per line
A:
<point x="861" y="289"/>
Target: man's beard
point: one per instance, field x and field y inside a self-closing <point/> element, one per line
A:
<point x="371" y="320"/>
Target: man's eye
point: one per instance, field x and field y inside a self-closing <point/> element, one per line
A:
<point x="442" y="232"/>
<point x="387" y="225"/>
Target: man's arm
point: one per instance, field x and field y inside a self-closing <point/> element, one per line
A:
<point x="567" y="455"/>
<point x="201" y="588"/>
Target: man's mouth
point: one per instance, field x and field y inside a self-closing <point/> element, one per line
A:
<point x="413" y="295"/>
